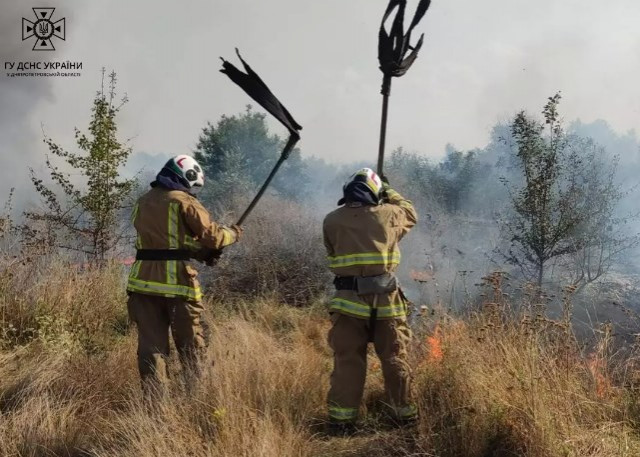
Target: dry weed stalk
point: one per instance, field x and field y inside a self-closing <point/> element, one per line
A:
<point x="71" y="387"/>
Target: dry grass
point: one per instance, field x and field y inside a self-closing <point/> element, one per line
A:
<point x="500" y="386"/>
<point x="282" y="257"/>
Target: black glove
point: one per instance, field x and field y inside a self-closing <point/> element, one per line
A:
<point x="207" y="256"/>
<point x="238" y="231"/>
<point x="384" y="198"/>
<point x="213" y="257"/>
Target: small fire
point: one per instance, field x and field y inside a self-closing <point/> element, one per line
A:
<point x="128" y="261"/>
<point x="434" y="346"/>
<point x="596" y="367"/>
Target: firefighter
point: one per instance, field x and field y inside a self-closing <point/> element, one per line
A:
<point x="164" y="294"/>
<point x="362" y="238"/>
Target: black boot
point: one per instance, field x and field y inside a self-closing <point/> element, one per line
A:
<point x="405" y="422"/>
<point x="341" y="429"/>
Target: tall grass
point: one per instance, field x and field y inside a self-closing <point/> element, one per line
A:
<point x="496" y="383"/>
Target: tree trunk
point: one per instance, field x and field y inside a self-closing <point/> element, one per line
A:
<point x="539" y="282"/>
<point x="540" y="274"/>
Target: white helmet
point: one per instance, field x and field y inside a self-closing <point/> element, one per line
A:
<point x="364" y="185"/>
<point x="188" y="170"/>
<point x="368" y="177"/>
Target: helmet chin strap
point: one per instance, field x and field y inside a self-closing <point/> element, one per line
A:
<point x="195" y="190"/>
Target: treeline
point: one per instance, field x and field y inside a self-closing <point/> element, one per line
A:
<point x="554" y="196"/>
<point x="543" y="201"/>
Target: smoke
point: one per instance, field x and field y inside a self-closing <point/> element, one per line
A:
<point x="19" y="136"/>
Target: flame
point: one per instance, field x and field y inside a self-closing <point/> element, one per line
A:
<point x="434" y="346"/>
<point x="128" y="261"/>
<point x="596" y="367"/>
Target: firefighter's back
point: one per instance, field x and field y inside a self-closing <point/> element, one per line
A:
<point x="363" y="239"/>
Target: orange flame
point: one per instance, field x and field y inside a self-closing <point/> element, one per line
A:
<point x="128" y="261"/>
<point x="596" y="367"/>
<point x="434" y="346"/>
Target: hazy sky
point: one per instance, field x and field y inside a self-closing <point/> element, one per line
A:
<point x="481" y="62"/>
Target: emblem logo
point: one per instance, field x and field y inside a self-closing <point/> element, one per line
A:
<point x="43" y="29"/>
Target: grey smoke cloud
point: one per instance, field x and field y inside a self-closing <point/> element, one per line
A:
<point x="481" y="62"/>
<point x="19" y="97"/>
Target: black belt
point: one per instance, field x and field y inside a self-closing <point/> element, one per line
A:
<point x="163" y="254"/>
<point x="345" y="283"/>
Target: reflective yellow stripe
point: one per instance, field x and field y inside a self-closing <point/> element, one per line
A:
<point x="405" y="412"/>
<point x="170" y="288"/>
<point x="364" y="310"/>
<point x="343" y="414"/>
<point x="173" y="226"/>
<point x="172" y="272"/>
<point x="172" y="265"/>
<point x="134" y="213"/>
<point x="138" y="285"/>
<point x="229" y="237"/>
<point x="365" y="258"/>
<point x="135" y="269"/>
<point x="134" y="216"/>
<point x="358" y="309"/>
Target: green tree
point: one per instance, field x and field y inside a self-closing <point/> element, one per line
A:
<point x="238" y="153"/>
<point x="605" y="235"/>
<point x="447" y="184"/>
<point x="456" y="176"/>
<point x="562" y="204"/>
<point x="86" y="215"/>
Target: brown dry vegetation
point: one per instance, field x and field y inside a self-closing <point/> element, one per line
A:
<point x="502" y="385"/>
<point x="282" y="257"/>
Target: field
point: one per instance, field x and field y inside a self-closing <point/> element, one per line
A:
<point x="492" y="383"/>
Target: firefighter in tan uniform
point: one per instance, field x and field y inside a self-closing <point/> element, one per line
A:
<point x="164" y="294"/>
<point x="362" y="238"/>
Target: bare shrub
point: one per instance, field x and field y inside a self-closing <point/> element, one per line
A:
<point x="281" y="255"/>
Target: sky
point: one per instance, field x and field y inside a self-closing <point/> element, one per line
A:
<point x="481" y="63"/>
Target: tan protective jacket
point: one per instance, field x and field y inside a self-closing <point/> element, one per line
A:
<point x="173" y="219"/>
<point x="363" y="241"/>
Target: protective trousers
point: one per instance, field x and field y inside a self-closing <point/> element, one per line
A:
<point x="349" y="337"/>
<point x="154" y="316"/>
